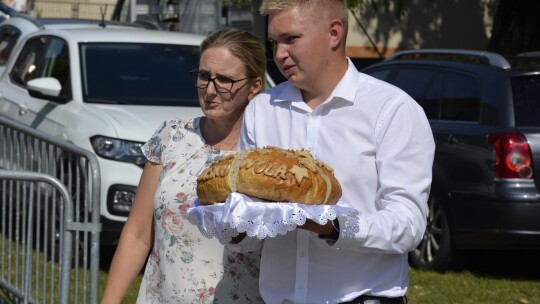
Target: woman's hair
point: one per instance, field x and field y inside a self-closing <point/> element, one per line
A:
<point x="241" y="44"/>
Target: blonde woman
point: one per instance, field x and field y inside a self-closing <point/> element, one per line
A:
<point x="183" y="266"/>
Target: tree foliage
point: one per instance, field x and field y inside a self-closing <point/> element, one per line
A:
<point x="400" y="6"/>
<point x="515" y="25"/>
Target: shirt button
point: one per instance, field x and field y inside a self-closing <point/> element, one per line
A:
<point x="302" y="254"/>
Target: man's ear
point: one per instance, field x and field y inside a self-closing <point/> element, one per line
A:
<point x="255" y="88"/>
<point x="336" y="31"/>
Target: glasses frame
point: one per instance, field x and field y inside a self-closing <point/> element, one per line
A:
<point x="195" y="76"/>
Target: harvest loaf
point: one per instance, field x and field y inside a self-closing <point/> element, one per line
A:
<point x="271" y="174"/>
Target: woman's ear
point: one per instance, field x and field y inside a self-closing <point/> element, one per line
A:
<point x="256" y="88"/>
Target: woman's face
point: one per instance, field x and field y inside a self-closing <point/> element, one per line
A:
<point x="228" y="89"/>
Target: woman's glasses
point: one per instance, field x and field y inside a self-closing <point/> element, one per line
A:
<point x="221" y="83"/>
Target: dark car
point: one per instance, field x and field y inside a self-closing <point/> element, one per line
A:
<point x="484" y="111"/>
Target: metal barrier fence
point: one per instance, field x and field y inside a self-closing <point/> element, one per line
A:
<point x="49" y="218"/>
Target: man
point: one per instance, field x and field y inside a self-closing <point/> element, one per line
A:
<point x="377" y="140"/>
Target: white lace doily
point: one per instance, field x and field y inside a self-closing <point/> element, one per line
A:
<point x="241" y="213"/>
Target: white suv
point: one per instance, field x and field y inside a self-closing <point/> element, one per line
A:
<point x="16" y="27"/>
<point x="105" y="90"/>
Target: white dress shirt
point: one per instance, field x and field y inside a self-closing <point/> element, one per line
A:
<point x="379" y="143"/>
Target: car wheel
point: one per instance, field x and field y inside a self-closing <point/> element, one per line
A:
<point x="436" y="251"/>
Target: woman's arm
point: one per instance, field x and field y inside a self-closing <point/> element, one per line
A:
<point x="136" y="238"/>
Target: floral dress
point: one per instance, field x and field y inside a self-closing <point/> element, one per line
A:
<point x="184" y="266"/>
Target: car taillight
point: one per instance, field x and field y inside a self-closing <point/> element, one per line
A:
<point x="513" y="155"/>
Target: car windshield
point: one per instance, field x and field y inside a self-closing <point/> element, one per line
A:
<point x="526" y="91"/>
<point x="139" y="73"/>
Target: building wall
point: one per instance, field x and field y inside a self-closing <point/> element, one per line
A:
<point x="372" y="33"/>
<point x="462" y="24"/>
<point x="84" y="9"/>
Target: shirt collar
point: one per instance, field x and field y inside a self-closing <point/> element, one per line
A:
<point x="345" y="90"/>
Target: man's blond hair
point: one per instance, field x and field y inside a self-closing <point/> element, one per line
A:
<point x="330" y="8"/>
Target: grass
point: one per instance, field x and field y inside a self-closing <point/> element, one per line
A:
<point x="466" y="287"/>
<point x="44" y="274"/>
<point x="487" y="278"/>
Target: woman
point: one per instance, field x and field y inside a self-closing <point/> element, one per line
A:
<point x="184" y="266"/>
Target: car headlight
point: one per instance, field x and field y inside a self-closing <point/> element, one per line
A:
<point x="118" y="149"/>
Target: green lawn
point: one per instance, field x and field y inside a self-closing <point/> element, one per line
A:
<point x="488" y="278"/>
<point x="465" y="287"/>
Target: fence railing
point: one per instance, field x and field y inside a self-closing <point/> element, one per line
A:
<point x="49" y="218"/>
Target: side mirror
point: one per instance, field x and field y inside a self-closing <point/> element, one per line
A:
<point x="46" y="88"/>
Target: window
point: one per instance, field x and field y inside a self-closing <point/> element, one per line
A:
<point x="139" y="73"/>
<point x="8" y="38"/>
<point x="43" y="56"/>
<point x="56" y="64"/>
<point x="421" y="85"/>
<point x="526" y="92"/>
<point x="444" y="95"/>
<point x="381" y="74"/>
<point x="26" y="64"/>
<point x="461" y="97"/>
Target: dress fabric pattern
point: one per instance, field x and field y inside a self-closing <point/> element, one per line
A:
<point x="184" y="266"/>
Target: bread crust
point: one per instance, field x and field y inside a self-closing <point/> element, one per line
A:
<point x="271" y="174"/>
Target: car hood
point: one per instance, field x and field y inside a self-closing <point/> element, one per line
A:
<point x="138" y="123"/>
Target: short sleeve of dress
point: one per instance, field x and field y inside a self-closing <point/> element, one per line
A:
<point x="153" y="149"/>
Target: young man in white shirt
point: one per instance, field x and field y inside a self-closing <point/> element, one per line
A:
<point x="375" y="137"/>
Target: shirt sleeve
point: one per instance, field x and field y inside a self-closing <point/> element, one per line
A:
<point x="404" y="159"/>
<point x="154" y="147"/>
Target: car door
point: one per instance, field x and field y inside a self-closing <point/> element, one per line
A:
<point x="41" y="56"/>
<point x="451" y="100"/>
<point x="463" y="158"/>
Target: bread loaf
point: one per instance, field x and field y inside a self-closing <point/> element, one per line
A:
<point x="271" y="174"/>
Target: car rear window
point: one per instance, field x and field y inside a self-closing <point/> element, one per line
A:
<point x="526" y="92"/>
<point x="139" y="73"/>
<point x="443" y="94"/>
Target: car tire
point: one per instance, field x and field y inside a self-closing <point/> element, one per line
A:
<point x="436" y="251"/>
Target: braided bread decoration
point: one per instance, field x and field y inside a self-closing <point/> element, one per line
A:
<point x="272" y="174"/>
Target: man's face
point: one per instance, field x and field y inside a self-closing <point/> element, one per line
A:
<point x="301" y="46"/>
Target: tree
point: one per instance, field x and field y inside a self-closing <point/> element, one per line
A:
<point x="516" y="24"/>
<point x="400" y="6"/>
<point x="516" y="27"/>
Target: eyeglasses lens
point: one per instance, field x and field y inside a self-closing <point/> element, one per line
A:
<point x="221" y="84"/>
